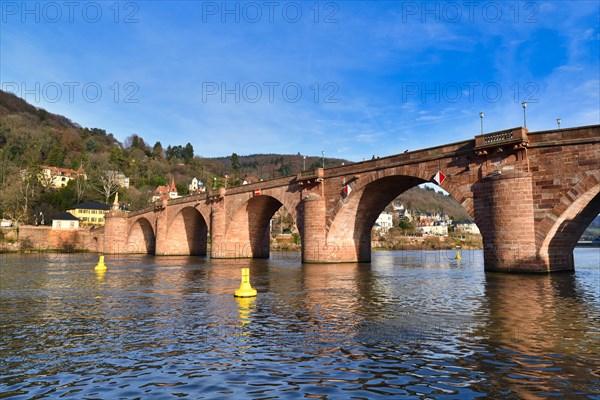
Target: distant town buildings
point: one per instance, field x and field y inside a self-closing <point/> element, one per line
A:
<point x="403" y="213"/>
<point x="90" y="213"/>
<point x="196" y="186"/>
<point x="166" y="192"/>
<point x="121" y="179"/>
<point x="434" y="223"/>
<point x="432" y="228"/>
<point x="467" y="227"/>
<point x="58" y="177"/>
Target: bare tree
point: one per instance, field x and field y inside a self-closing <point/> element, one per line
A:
<point x="107" y="183"/>
<point x="18" y="195"/>
<point x="81" y="185"/>
<point x="104" y="177"/>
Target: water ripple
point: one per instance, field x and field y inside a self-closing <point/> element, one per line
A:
<point x="401" y="327"/>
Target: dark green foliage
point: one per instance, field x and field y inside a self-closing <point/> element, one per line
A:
<point x="157" y="151"/>
<point x="406" y="225"/>
<point x="181" y="153"/>
<point x="90" y="146"/>
<point x="235" y="162"/>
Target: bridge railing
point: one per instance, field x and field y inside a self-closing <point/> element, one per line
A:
<point x="500" y="138"/>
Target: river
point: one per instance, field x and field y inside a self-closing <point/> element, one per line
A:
<point x="410" y="324"/>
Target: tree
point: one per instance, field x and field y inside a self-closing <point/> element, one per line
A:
<point x="17" y="195"/>
<point x="174" y="152"/>
<point x="285" y="170"/>
<point x="188" y="152"/>
<point x="80" y="185"/>
<point x="135" y="142"/>
<point x="104" y="176"/>
<point x="90" y="146"/>
<point x="56" y="156"/>
<point x="235" y="162"/>
<point x="157" y="151"/>
<point x="107" y="184"/>
<point x="117" y="157"/>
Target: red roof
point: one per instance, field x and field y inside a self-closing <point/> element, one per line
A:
<point x="59" y="171"/>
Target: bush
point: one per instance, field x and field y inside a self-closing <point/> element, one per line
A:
<point x="25" y="244"/>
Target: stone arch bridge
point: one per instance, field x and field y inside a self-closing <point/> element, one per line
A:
<point x="532" y="194"/>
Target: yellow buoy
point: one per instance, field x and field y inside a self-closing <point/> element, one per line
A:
<point x="245" y="289"/>
<point x="457" y="257"/>
<point x="100" y="266"/>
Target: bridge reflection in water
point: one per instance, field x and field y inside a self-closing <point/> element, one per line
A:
<point x="407" y="324"/>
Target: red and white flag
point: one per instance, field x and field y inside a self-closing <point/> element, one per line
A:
<point x="346" y="191"/>
<point x="439" y="177"/>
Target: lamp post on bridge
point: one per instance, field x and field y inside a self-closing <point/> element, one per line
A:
<point x="323" y="154"/>
<point x="558" y="121"/>
<point x="303" y="163"/>
<point x="481" y="118"/>
<point x="524" y="104"/>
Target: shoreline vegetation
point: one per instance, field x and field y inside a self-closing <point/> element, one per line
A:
<point x="286" y="243"/>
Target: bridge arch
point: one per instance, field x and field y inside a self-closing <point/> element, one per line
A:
<point x="416" y="176"/>
<point x="349" y="227"/>
<point x="560" y="229"/>
<point x="141" y="237"/>
<point x="248" y="230"/>
<point x="187" y="232"/>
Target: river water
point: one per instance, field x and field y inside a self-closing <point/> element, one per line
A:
<point x="412" y="324"/>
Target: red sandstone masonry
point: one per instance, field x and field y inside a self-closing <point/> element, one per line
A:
<point x="520" y="197"/>
<point x="45" y="238"/>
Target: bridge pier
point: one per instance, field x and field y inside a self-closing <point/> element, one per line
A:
<point x="218" y="220"/>
<point x="504" y="212"/>
<point x="161" y="232"/>
<point x="314" y="247"/>
<point x="116" y="229"/>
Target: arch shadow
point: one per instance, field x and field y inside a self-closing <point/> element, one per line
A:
<point x="187" y="233"/>
<point x="351" y="227"/>
<point x="141" y="237"/>
<point x="249" y="227"/>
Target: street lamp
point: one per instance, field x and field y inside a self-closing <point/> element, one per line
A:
<point x="481" y="117"/>
<point x="524" y="104"/>
<point x="323" y="154"/>
<point x="214" y="182"/>
<point x="226" y="177"/>
<point x="303" y="163"/>
<point x="558" y="121"/>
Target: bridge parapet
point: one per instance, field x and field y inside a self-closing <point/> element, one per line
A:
<point x="516" y="138"/>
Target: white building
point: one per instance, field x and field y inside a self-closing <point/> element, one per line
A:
<point x="384" y="222"/>
<point x="121" y="179"/>
<point x="435" y="229"/>
<point x="468" y="227"/>
<point x="65" y="220"/>
<point x="57" y="177"/>
<point x="196" y="185"/>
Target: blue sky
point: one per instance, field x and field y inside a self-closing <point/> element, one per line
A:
<point x="353" y="79"/>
